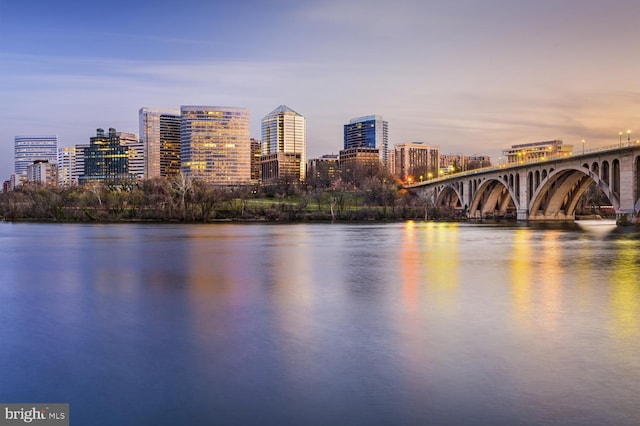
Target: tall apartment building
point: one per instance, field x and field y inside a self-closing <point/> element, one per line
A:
<point x="43" y="172"/>
<point x="283" y="145"/>
<point x="256" y="153"/>
<point x="370" y="131"/>
<point x="106" y="159"/>
<point x="416" y="161"/>
<point x="215" y="145"/>
<point x="78" y="166"/>
<point x="66" y="166"/>
<point x="28" y="149"/>
<point x="160" y="138"/>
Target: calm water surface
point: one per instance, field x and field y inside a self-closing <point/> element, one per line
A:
<point x="407" y="323"/>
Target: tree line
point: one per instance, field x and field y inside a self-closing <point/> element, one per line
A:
<point x="377" y="196"/>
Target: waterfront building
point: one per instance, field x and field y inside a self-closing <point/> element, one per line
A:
<point x="370" y="131"/>
<point x="256" y="153"/>
<point x="215" y="144"/>
<point x="283" y="141"/>
<point x="536" y="151"/>
<point x="160" y="138"/>
<point x="28" y="149"/>
<point x="66" y="166"/>
<point x="325" y="169"/>
<point x="416" y="161"/>
<point x="106" y="159"/>
<point x="478" y="161"/>
<point x="135" y="154"/>
<point x="42" y="172"/>
<point x="358" y="163"/>
<point x="78" y="166"/>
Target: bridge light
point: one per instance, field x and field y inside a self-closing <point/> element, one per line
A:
<point x="628" y="136"/>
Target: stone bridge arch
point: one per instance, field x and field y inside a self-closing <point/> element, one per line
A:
<point x="494" y="197"/>
<point x="557" y="196"/>
<point x="449" y="196"/>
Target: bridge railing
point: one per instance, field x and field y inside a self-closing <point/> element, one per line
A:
<point x="507" y="166"/>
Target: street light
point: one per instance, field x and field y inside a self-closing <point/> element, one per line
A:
<point x="582" y="146"/>
<point x="620" y="139"/>
<point x="628" y="137"/>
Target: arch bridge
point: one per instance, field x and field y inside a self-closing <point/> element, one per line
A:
<point x="542" y="190"/>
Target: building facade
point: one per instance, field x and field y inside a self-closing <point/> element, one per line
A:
<point x="536" y="151"/>
<point x="78" y="166"/>
<point x="135" y="154"/>
<point x="256" y="153"/>
<point x="160" y="138"/>
<point x="42" y="172"/>
<point x="284" y="132"/>
<point x="356" y="164"/>
<point x="66" y="166"/>
<point x="28" y="149"/>
<point x="370" y="131"/>
<point x="215" y="145"/>
<point x="323" y="170"/>
<point x="416" y="161"/>
<point x="106" y="159"/>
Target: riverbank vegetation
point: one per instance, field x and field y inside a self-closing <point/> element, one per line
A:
<point x="188" y="200"/>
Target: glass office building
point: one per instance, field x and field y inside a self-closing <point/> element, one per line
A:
<point x="160" y="138"/>
<point x="215" y="144"/>
<point x="284" y="132"/>
<point x="28" y="149"/>
<point x="370" y="131"/>
<point x="106" y="159"/>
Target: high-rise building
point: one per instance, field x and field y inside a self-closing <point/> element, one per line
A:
<point x="78" y="166"/>
<point x="28" y="149"/>
<point x="284" y="141"/>
<point x="215" y="144"/>
<point x="160" y="137"/>
<point x="370" y="131"/>
<point x="416" y="161"/>
<point x="66" y="166"/>
<point x="256" y="150"/>
<point x="135" y="153"/>
<point x="106" y="159"/>
<point x="42" y="172"/>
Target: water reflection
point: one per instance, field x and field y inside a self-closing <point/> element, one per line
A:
<point x="625" y="295"/>
<point x="406" y="323"/>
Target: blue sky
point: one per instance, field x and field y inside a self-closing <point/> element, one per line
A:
<point x="469" y="76"/>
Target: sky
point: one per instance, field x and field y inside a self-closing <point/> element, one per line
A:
<point x="469" y="76"/>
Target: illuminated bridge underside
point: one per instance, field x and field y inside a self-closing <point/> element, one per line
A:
<point x="545" y="190"/>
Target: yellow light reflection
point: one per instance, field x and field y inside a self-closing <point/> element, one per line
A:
<point x="442" y="260"/>
<point x="625" y="297"/>
<point x="521" y="271"/>
<point x="551" y="285"/>
<point x="410" y="266"/>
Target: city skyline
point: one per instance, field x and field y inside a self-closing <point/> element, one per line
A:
<point x="467" y="77"/>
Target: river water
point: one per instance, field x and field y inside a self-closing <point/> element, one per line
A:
<point x="322" y="324"/>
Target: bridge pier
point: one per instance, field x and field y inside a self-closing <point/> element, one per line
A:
<point x="626" y="217"/>
<point x="522" y="215"/>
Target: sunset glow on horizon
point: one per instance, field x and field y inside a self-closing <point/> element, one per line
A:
<point x="467" y="76"/>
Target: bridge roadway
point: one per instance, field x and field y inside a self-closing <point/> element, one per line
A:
<point x="542" y="190"/>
